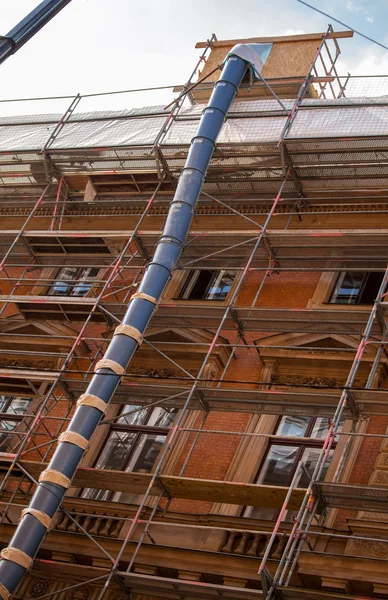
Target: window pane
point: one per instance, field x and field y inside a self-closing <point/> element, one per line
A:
<point x="60" y="286"/>
<point x="293" y="426"/>
<point x="348" y="288"/>
<point x="220" y="285"/>
<point x="136" y="418"/>
<point x="196" y="284"/>
<point x="142" y="461"/>
<point x="276" y="470"/>
<point x="116" y="450"/>
<point x="310" y="458"/>
<point x="72" y="281"/>
<point x="8" y="425"/>
<point x="5" y="438"/>
<point x="81" y="288"/>
<point x="371" y="288"/>
<point x="19" y="406"/>
<point x="113" y="457"/>
<point x="3" y="403"/>
<point x="162" y="417"/>
<point x="93" y="494"/>
<point x="278" y="465"/>
<point x="15" y="406"/>
<point x="207" y="285"/>
<point x="320" y="428"/>
<point x="85" y="281"/>
<point x="146" y="453"/>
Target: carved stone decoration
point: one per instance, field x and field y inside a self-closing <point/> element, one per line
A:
<point x="81" y="593"/>
<point x="156" y="373"/>
<point x="303" y="380"/>
<point x="39" y="588"/>
<point x="210" y="372"/>
<point x="286" y="379"/>
<point x="21" y="363"/>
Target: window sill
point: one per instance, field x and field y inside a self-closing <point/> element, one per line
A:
<point x="180" y="302"/>
<point x="340" y="307"/>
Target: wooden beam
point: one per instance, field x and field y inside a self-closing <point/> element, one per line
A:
<point x="184" y="488"/>
<point x="304" y="37"/>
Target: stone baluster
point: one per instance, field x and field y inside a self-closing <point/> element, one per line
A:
<point x="231" y="536"/>
<point x="106" y="528"/>
<point x="280" y="547"/>
<point x="257" y="540"/>
<point x="116" y="528"/>
<point x="243" y="542"/>
<point x="87" y="522"/>
<point x="96" y="526"/>
<point x="62" y="525"/>
<point x="73" y="525"/>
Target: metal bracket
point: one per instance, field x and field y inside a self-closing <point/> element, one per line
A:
<point x="352" y="405"/>
<point x="235" y="318"/>
<point x="163" y="487"/>
<point x="202" y="400"/>
<point x="270" y="589"/>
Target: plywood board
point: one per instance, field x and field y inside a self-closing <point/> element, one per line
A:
<point x="290" y="59"/>
<point x="286" y="59"/>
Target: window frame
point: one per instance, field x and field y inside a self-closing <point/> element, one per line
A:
<point x="332" y="300"/>
<point x="78" y="280"/>
<point x="139" y="430"/>
<point x="324" y="290"/>
<point x="177" y="282"/>
<point x="303" y="443"/>
<point x="192" y="278"/>
<point x="16" y="418"/>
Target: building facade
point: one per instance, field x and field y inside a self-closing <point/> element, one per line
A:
<point x="245" y="452"/>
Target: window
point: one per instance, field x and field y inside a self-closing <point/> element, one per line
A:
<point x="72" y="281"/>
<point x="133" y="444"/>
<point x="68" y="245"/>
<point x="282" y="457"/>
<point x="356" y="288"/>
<point x="15" y="407"/>
<point x="207" y="285"/>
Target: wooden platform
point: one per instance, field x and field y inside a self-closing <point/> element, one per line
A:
<point x="184" y="488"/>
<point x="318" y="402"/>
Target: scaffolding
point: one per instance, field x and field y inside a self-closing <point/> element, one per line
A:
<point x="285" y="155"/>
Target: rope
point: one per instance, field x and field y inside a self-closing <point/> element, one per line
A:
<point x="17" y="556"/>
<point x="74" y="438"/>
<point x="52" y="476"/>
<point x="107" y="363"/>
<point x="129" y="331"/>
<point x="91" y="400"/>
<point x="44" y="519"/>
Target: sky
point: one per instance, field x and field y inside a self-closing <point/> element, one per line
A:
<point x="106" y="45"/>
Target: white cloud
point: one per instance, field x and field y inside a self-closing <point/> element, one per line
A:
<point x="355" y="7"/>
<point x="294" y="31"/>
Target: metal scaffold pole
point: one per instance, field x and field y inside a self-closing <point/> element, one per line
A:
<point x="29" y="26"/>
